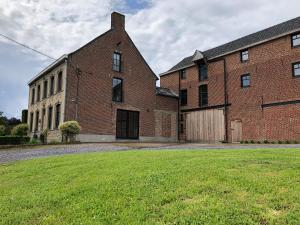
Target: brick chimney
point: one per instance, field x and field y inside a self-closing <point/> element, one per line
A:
<point x="117" y="21"/>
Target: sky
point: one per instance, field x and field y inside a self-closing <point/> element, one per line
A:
<point x="165" y="31"/>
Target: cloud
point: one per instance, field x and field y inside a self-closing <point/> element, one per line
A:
<point x="164" y="31"/>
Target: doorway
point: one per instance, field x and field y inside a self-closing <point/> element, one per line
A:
<point x="127" y="124"/>
<point x="236" y="131"/>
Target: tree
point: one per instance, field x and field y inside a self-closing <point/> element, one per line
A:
<point x="20" y="130"/>
<point x="3" y="119"/>
<point x="69" y="129"/>
<point x="2" y="130"/>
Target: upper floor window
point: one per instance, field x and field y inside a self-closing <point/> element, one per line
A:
<point x="203" y="95"/>
<point x="39" y="93"/>
<point x="296" y="69"/>
<point x="52" y="85"/>
<point x="59" y="82"/>
<point x="244" y="55"/>
<point x="117" y="90"/>
<point x="245" y="80"/>
<point x="32" y="96"/>
<point x="117" y="62"/>
<point x="202" y="72"/>
<point x="296" y="40"/>
<point x="183" y="97"/>
<point x="57" y="117"/>
<point x="45" y="89"/>
<point x="182" y="74"/>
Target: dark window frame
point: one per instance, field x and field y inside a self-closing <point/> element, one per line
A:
<point x="57" y="116"/>
<point x="114" y="98"/>
<point x="125" y="125"/>
<point x="242" y="83"/>
<point x="37" y="118"/>
<point x="117" y="62"/>
<point x="182" y="74"/>
<point x="59" y="81"/>
<point x="50" y="118"/>
<point x="31" y="122"/>
<point x="292" y="40"/>
<point x="183" y="103"/>
<point x="293" y="69"/>
<point x="203" y="77"/>
<point x="45" y="89"/>
<point x="38" y="94"/>
<point x="32" y="96"/>
<point x="242" y="54"/>
<point x="203" y="101"/>
<point x="52" y="81"/>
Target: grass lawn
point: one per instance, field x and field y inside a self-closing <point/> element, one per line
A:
<point x="154" y="187"/>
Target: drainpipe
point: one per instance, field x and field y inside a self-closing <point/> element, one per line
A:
<point x="78" y="72"/>
<point x="178" y="109"/>
<point x="225" y="100"/>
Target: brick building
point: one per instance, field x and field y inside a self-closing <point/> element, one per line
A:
<point x="108" y="87"/>
<point x="243" y="90"/>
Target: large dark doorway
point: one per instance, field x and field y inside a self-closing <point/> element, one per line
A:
<point x="127" y="124"/>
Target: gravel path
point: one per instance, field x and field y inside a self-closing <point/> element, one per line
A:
<point x="9" y="155"/>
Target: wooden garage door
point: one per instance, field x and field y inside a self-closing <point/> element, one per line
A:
<point x="205" y="126"/>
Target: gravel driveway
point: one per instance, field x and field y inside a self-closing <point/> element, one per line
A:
<point x="9" y="155"/>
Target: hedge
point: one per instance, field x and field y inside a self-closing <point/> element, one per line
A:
<point x="13" y="140"/>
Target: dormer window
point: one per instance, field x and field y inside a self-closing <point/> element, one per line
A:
<point x="202" y="72"/>
<point x="117" y="61"/>
<point x="244" y="55"/>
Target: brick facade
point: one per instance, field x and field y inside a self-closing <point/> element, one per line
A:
<point x="270" y="69"/>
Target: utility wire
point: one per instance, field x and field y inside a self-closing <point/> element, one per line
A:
<point x="25" y="46"/>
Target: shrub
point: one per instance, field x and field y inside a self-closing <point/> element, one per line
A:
<point x="246" y="142"/>
<point x="20" y="130"/>
<point x="266" y="142"/>
<point x="241" y="142"/>
<point x="272" y="142"/>
<point x="43" y="136"/>
<point x="287" y="142"/>
<point x="252" y="142"/>
<point x="2" y="130"/>
<point x="279" y="142"/>
<point x="69" y="129"/>
<point x="295" y="142"/>
<point x="34" y="141"/>
<point x="258" y="142"/>
<point x="13" y="140"/>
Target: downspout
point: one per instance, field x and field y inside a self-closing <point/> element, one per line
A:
<point x="225" y="100"/>
<point x="178" y="109"/>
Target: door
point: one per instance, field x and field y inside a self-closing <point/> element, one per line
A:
<point x="127" y="124"/>
<point x="205" y="126"/>
<point x="236" y="131"/>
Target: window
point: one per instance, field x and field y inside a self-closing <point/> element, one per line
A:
<point x="45" y="90"/>
<point x="183" y="97"/>
<point x="296" y="69"/>
<point x="50" y="117"/>
<point x="117" y="90"/>
<point x="181" y="128"/>
<point x="52" y="85"/>
<point x="37" y="117"/>
<point x="202" y="72"/>
<point x="127" y="124"/>
<point x="182" y="74"/>
<point x="31" y="122"/>
<point x="38" y="93"/>
<point x="203" y="95"/>
<point x="32" y="96"/>
<point x="43" y="118"/>
<point x="244" y="55"/>
<point x="117" y="62"/>
<point x="295" y="40"/>
<point x="57" y="117"/>
<point x="245" y="80"/>
<point x="59" y="82"/>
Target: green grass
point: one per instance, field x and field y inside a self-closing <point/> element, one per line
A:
<point x="154" y="187"/>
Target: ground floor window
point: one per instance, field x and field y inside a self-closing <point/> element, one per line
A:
<point x="127" y="124"/>
<point x="57" y="117"/>
<point x="50" y="111"/>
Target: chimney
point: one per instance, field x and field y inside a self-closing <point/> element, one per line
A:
<point x="117" y="21"/>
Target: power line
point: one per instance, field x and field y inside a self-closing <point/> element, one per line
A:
<point x="25" y="46"/>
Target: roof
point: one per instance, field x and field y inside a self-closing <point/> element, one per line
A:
<point x="49" y="68"/>
<point x="166" y="92"/>
<point x="259" y="37"/>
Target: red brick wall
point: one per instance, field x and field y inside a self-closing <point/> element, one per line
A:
<point x="96" y="111"/>
<point x="270" y="67"/>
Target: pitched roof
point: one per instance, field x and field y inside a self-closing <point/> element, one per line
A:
<point x="166" y="92"/>
<point x="259" y="37"/>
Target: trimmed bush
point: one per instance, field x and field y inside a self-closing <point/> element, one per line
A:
<point x="258" y="142"/>
<point x="2" y="130"/>
<point x="13" y="140"/>
<point x="69" y="129"/>
<point x="20" y="130"/>
<point x="295" y="142"/>
<point x="279" y="142"/>
<point x="252" y="142"/>
<point x="266" y="142"/>
<point x="287" y="142"/>
<point x="241" y="142"/>
<point x="246" y="142"/>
